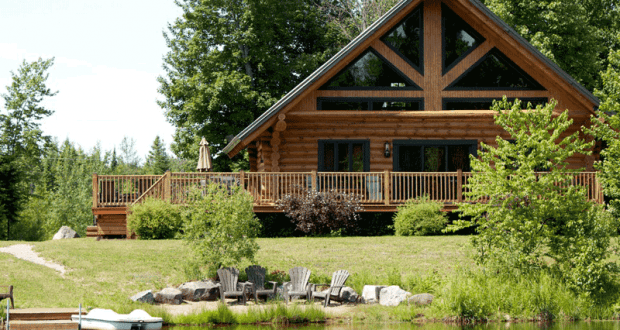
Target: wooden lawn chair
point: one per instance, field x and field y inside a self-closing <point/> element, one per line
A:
<point x="298" y="286"/>
<point x="229" y="278"/>
<point x="8" y="295"/>
<point x="333" y="293"/>
<point x="256" y="275"/>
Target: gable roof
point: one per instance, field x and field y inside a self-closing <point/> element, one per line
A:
<point x="237" y="143"/>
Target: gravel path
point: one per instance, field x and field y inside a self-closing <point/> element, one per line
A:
<point x="25" y="252"/>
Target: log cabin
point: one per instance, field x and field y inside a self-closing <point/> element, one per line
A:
<point x="393" y="115"/>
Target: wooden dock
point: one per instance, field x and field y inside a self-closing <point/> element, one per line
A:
<point x="42" y="318"/>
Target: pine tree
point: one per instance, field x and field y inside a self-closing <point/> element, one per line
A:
<point x="158" y="161"/>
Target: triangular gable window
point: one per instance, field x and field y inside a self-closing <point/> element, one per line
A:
<point x="406" y="39"/>
<point x="459" y="39"/>
<point x="495" y="71"/>
<point x="370" y="71"/>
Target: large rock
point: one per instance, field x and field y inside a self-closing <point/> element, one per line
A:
<point x="348" y="295"/>
<point x="65" y="232"/>
<point x="169" y="296"/>
<point x="144" y="296"/>
<point x="193" y="291"/>
<point x="421" y="299"/>
<point x="212" y="291"/>
<point x="393" y="296"/>
<point x="370" y="293"/>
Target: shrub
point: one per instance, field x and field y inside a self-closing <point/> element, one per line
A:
<point x="154" y="219"/>
<point x="321" y="212"/>
<point x="419" y="217"/>
<point x="220" y="226"/>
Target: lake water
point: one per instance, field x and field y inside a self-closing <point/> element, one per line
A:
<point x="597" y="325"/>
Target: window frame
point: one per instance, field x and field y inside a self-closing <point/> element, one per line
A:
<point x="470" y="30"/>
<point x="495" y="51"/>
<point x="419" y="68"/>
<point x="396" y="144"/>
<point x="321" y="155"/>
<point x="370" y="100"/>
<point x="413" y="87"/>
<point x="445" y="100"/>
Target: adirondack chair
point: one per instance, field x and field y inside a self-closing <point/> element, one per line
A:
<point x="298" y="286"/>
<point x="256" y="275"/>
<point x="333" y="293"/>
<point x="229" y="278"/>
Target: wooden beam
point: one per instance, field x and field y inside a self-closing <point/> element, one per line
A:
<point x="398" y="62"/>
<point x="375" y="93"/>
<point x="466" y="63"/>
<point x="432" y="55"/>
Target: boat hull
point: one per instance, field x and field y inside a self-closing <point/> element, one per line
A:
<point x="93" y="324"/>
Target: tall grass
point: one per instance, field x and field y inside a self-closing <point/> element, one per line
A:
<point x="476" y="296"/>
<point x="276" y="314"/>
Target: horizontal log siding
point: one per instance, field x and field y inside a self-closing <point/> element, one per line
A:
<point x="299" y="146"/>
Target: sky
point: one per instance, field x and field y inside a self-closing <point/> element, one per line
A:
<point x="108" y="55"/>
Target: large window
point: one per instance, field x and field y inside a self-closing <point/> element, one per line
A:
<point x="433" y="156"/>
<point x="487" y="103"/>
<point x="406" y="39"/>
<point x="370" y="71"/>
<point x="495" y="71"/>
<point x="371" y="104"/>
<point x="344" y="155"/>
<point x="459" y="39"/>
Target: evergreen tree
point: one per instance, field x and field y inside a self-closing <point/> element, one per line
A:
<point x="21" y="139"/>
<point x="158" y="161"/>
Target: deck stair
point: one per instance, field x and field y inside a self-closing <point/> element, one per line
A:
<point x="42" y="318"/>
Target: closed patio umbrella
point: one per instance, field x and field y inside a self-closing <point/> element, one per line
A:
<point x="204" y="160"/>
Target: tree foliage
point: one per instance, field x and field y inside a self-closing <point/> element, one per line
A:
<point x="606" y="127"/>
<point x="352" y="17"/>
<point x="530" y="217"/>
<point x="158" y="162"/>
<point x="576" y="35"/>
<point x="21" y="139"/>
<point x="230" y="60"/>
<point x="220" y="226"/>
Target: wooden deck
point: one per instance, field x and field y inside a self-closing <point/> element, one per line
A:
<point x="378" y="191"/>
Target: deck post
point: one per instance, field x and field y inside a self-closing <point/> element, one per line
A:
<point x="242" y="179"/>
<point x="459" y="185"/>
<point x="386" y="186"/>
<point x="314" y="183"/>
<point x="167" y="186"/>
<point x="95" y="189"/>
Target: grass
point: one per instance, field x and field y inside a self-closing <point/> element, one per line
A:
<point x="106" y="273"/>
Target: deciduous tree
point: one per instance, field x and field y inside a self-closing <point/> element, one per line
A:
<point x="230" y="60"/>
<point x="529" y="218"/>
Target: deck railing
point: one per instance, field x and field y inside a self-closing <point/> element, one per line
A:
<point x="372" y="188"/>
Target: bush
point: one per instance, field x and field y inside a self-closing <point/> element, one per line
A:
<point x="321" y="212"/>
<point x="419" y="217"/>
<point x="154" y="219"/>
<point x="220" y="226"/>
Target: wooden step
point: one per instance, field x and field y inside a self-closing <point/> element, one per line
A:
<point x="43" y="325"/>
<point x="91" y="231"/>
<point x="42" y="314"/>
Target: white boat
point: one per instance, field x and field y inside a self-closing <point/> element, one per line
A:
<point x="107" y="319"/>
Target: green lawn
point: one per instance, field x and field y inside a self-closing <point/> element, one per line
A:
<point x="106" y="273"/>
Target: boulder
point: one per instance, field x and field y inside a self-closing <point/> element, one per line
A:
<point x="65" y="232"/>
<point x="144" y="296"/>
<point x="193" y="291"/>
<point x="370" y="293"/>
<point x="348" y="295"/>
<point x="212" y="291"/>
<point x="169" y="296"/>
<point x="421" y="299"/>
<point x="392" y="296"/>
